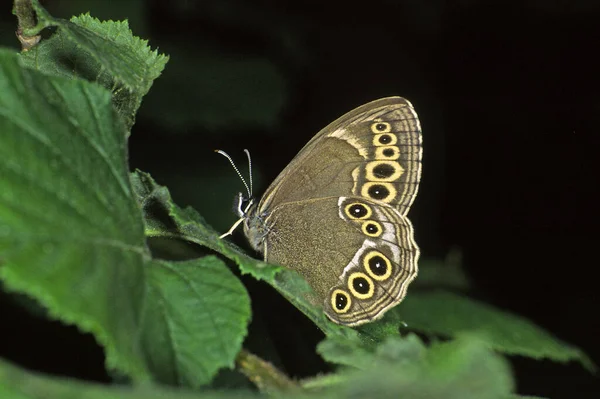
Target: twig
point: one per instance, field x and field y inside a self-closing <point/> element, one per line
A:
<point x="25" y="14"/>
<point x="263" y="374"/>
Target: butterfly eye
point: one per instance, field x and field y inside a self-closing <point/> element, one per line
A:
<point x="377" y="265"/>
<point x="372" y="229"/>
<point x="389" y="153"/>
<point x="381" y="127"/>
<point x="357" y="211"/>
<point x="380" y="191"/>
<point x="384" y="139"/>
<point x="340" y="301"/>
<point x="383" y="171"/>
<point x="361" y="286"/>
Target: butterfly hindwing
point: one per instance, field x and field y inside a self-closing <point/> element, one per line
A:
<point x="339" y="243"/>
<point x="383" y="266"/>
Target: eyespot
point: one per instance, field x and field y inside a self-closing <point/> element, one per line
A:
<point x="361" y="285"/>
<point x="380" y="191"/>
<point x="372" y="228"/>
<point x="340" y="301"/>
<point x="383" y="171"/>
<point x="381" y="127"/>
<point x="384" y="139"/>
<point x="388" y="153"/>
<point x="356" y="210"/>
<point x="377" y="265"/>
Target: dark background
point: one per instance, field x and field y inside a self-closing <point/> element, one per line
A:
<point x="508" y="96"/>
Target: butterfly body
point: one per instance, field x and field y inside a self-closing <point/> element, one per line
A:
<point x="337" y="213"/>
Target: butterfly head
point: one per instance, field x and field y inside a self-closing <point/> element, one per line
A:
<point x="254" y="228"/>
<point x="244" y="204"/>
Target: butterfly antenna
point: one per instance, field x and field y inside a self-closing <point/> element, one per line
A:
<point x="238" y="171"/>
<point x="249" y="170"/>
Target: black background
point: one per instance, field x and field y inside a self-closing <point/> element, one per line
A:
<point x="508" y="96"/>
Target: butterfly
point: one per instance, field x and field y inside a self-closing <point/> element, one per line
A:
<point x="337" y="214"/>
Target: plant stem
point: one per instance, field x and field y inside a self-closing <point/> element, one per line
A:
<point x="263" y="374"/>
<point x="25" y="14"/>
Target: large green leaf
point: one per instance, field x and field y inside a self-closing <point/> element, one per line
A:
<point x="103" y="52"/>
<point x="72" y="237"/>
<point x="448" y="314"/>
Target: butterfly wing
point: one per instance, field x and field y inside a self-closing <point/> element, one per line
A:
<point x="373" y="151"/>
<point x="337" y="213"/>
<point x="360" y="261"/>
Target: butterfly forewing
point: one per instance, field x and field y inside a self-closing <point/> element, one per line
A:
<point x="374" y="151"/>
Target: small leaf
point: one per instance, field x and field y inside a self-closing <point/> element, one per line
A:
<point x="194" y="320"/>
<point x="449" y="314"/>
<point x="391" y="351"/>
<point x="103" y="52"/>
<point x="463" y="368"/>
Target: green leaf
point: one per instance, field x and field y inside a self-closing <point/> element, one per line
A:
<point x="103" y="52"/>
<point x="449" y="314"/>
<point x="463" y="368"/>
<point x="392" y="350"/>
<point x="70" y="233"/>
<point x="72" y="237"/>
<point x="194" y="321"/>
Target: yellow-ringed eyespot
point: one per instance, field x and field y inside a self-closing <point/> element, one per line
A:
<point x="361" y="285"/>
<point x="381" y="127"/>
<point x="340" y="301"/>
<point x="388" y="152"/>
<point x="380" y="191"/>
<point x="356" y="210"/>
<point x="383" y="171"/>
<point x="377" y="265"/>
<point x="384" y="139"/>
<point x="371" y="228"/>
